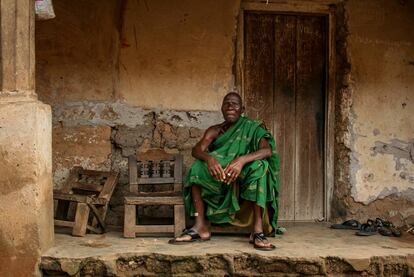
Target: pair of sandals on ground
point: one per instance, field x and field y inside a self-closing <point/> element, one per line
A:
<point x="259" y="240"/>
<point x="371" y="227"/>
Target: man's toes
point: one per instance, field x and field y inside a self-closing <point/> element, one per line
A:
<point x="263" y="243"/>
<point x="183" y="238"/>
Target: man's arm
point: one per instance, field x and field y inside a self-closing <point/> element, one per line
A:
<point x="200" y="152"/>
<point x="234" y="168"/>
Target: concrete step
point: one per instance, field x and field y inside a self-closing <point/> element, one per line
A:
<point x="307" y="249"/>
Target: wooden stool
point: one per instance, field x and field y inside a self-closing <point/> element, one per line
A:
<point x="90" y="190"/>
<point x="154" y="172"/>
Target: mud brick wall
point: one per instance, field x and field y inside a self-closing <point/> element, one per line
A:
<point x="136" y="75"/>
<point x="103" y="135"/>
<point x="119" y="81"/>
<point x="374" y="138"/>
<point x="156" y="133"/>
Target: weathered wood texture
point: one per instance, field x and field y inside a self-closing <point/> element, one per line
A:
<point x="309" y="124"/>
<point x="149" y="200"/>
<point x="284" y="102"/>
<point x="259" y="67"/>
<point x="154" y="172"/>
<point x="90" y="191"/>
<point x="284" y="85"/>
<point x="81" y="220"/>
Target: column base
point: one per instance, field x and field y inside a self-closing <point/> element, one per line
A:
<point x="17" y="96"/>
<point x="26" y="189"/>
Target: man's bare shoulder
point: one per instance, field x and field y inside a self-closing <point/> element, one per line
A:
<point x="213" y="131"/>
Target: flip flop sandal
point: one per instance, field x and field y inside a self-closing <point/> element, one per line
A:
<point x="382" y="222"/>
<point x="385" y="231"/>
<point x="194" y="235"/>
<point x="351" y="224"/>
<point x="261" y="237"/>
<point x="367" y="229"/>
<point x="395" y="231"/>
<point x="389" y="231"/>
<point x="272" y="234"/>
<point x="280" y="231"/>
<point x="387" y="228"/>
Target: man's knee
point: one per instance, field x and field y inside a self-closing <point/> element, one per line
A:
<point x="253" y="171"/>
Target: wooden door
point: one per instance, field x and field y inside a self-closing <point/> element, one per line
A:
<point x="284" y="85"/>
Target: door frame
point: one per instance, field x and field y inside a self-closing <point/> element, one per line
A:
<point x="324" y="8"/>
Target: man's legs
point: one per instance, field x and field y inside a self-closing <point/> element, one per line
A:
<point x="201" y="224"/>
<point x="258" y="227"/>
<point x="258" y="222"/>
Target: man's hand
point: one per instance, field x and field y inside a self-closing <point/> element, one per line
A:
<point x="215" y="169"/>
<point x="233" y="169"/>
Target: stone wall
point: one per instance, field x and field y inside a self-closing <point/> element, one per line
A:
<point x="102" y="135"/>
<point x="240" y="264"/>
<point x="136" y="75"/>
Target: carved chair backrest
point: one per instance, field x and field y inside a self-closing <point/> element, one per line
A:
<point x="155" y="172"/>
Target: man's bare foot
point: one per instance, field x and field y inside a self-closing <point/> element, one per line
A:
<point x="260" y="242"/>
<point x="191" y="235"/>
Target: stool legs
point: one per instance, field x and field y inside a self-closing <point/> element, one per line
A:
<point x="129" y="221"/>
<point x="131" y="227"/>
<point x="81" y="220"/>
<point x="179" y="219"/>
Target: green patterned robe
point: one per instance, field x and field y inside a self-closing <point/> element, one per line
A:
<point x="258" y="181"/>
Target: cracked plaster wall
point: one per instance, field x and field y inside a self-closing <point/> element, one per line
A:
<point x="152" y="75"/>
<point x="375" y="122"/>
<point x="381" y="47"/>
<point x="131" y="76"/>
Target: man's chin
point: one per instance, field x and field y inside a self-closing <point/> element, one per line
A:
<point x="231" y="119"/>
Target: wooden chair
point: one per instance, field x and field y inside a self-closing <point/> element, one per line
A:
<point x="154" y="172"/>
<point x="88" y="190"/>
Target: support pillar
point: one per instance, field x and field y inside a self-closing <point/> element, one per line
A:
<point x="26" y="201"/>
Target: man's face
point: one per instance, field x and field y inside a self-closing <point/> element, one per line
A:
<point x="232" y="108"/>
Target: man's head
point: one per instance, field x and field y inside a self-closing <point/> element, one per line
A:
<point x="232" y="107"/>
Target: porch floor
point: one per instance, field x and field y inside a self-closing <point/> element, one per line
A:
<point x="312" y="249"/>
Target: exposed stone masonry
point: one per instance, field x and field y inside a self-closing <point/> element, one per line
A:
<point x="155" y="133"/>
<point x="117" y="131"/>
<point x="225" y="265"/>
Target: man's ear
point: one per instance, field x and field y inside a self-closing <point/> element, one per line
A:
<point x="243" y="109"/>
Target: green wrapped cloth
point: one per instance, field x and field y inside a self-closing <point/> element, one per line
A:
<point x="258" y="181"/>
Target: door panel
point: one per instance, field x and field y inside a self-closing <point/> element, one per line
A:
<point x="259" y="67"/>
<point x="310" y="83"/>
<point x="284" y="85"/>
<point x="284" y="105"/>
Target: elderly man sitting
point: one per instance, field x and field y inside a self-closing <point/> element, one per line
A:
<point x="237" y="152"/>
